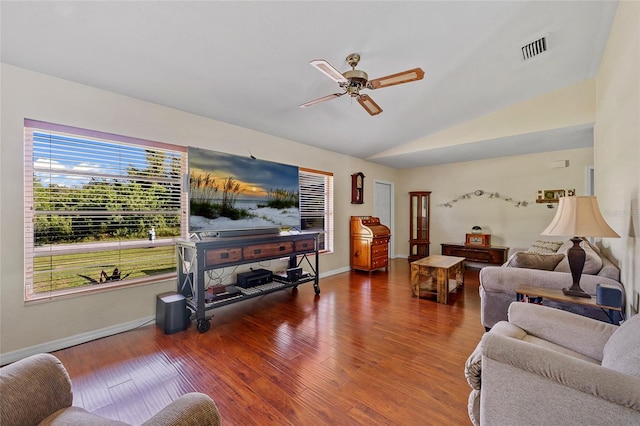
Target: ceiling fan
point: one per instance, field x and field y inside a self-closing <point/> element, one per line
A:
<point x="353" y="81"/>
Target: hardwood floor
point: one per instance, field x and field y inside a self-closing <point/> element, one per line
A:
<point x="362" y="352"/>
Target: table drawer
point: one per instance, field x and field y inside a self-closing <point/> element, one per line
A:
<point x="261" y="251"/>
<point x="305" y="245"/>
<point x="222" y="256"/>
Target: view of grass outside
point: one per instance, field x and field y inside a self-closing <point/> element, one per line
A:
<point x="75" y="270"/>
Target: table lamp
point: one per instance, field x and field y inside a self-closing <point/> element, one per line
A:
<point x="578" y="217"/>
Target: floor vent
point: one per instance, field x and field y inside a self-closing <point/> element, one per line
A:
<point x="534" y="48"/>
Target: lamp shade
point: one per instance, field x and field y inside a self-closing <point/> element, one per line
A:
<point x="581" y="217"/>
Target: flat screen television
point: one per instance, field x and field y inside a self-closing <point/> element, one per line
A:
<point x="232" y="192"/>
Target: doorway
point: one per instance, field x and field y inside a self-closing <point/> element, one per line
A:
<point x="383" y="208"/>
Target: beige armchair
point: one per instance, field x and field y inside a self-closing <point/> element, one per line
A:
<point x="37" y="391"/>
<point x="548" y="366"/>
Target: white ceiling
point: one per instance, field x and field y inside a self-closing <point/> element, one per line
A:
<point x="247" y="63"/>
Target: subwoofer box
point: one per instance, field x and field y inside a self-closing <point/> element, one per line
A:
<point x="171" y="312"/>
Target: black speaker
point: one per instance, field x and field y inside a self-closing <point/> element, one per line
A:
<point x="608" y="295"/>
<point x="171" y="312"/>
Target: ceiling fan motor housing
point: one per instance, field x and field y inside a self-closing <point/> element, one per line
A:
<point x="357" y="80"/>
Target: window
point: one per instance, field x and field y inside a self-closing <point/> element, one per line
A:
<point x="101" y="210"/>
<point x="316" y="205"/>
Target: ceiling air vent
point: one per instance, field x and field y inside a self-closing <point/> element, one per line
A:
<point x="534" y="48"/>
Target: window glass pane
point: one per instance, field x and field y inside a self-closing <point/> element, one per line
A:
<point x="98" y="211"/>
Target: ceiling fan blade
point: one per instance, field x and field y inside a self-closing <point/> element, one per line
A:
<point x="368" y="104"/>
<point x="322" y="99"/>
<point x="399" y="78"/>
<point x="327" y="69"/>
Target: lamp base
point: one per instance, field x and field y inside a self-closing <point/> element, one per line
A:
<point x="576" y="293"/>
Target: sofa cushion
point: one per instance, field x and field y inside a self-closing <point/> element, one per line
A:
<point x="545" y="262"/>
<point x="77" y="416"/>
<point x="545" y="247"/>
<point x="592" y="263"/>
<point x="622" y="350"/>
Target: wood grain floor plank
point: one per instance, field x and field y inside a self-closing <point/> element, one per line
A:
<point x="363" y="352"/>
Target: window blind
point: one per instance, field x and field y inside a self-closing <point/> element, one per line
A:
<point x="101" y="210"/>
<point x="316" y="205"/>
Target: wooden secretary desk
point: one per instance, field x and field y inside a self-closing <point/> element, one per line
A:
<point x="369" y="244"/>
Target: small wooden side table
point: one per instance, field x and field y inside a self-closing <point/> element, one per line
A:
<point x="437" y="274"/>
<point x="558" y="296"/>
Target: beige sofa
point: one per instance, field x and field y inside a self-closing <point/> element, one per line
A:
<point x="37" y="391"/>
<point x="498" y="283"/>
<point x="546" y="366"/>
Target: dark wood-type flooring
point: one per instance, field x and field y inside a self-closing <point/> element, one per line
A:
<point x="362" y="352"/>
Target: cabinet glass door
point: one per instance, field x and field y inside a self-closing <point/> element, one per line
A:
<point x="418" y="225"/>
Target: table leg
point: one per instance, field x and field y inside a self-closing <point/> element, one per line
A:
<point x="442" y="287"/>
<point x="415" y="280"/>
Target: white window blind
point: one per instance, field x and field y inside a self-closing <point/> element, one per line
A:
<point x="316" y="205"/>
<point x="101" y="210"/>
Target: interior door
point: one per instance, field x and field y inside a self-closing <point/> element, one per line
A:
<point x="383" y="208"/>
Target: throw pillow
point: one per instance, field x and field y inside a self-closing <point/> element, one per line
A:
<point x="592" y="263"/>
<point x="544" y="247"/>
<point x="545" y="262"/>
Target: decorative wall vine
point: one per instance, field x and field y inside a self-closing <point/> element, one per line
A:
<point x="480" y="193"/>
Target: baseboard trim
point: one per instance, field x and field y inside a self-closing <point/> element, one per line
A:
<point x="334" y="272"/>
<point x="67" y="342"/>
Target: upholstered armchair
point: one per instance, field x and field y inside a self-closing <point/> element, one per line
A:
<point x="548" y="366"/>
<point x="37" y="391"/>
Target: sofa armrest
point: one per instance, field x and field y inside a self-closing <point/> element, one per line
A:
<point x="587" y="378"/>
<point x="33" y="388"/>
<point x="192" y="409"/>
<point x="580" y="334"/>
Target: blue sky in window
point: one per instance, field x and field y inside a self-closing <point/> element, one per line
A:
<point x="71" y="161"/>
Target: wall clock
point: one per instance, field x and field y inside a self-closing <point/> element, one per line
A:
<point x="357" y="188"/>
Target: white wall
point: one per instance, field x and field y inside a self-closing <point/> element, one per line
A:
<point x="518" y="177"/>
<point x="47" y="326"/>
<point x="617" y="144"/>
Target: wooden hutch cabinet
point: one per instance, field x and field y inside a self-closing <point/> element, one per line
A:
<point x="369" y="244"/>
<point x="419" y="212"/>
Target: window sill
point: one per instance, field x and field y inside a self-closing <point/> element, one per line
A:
<point x="96" y="289"/>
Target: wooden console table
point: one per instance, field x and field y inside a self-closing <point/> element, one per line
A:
<point x="477" y="256"/>
<point x="437" y="275"/>
<point x="530" y="291"/>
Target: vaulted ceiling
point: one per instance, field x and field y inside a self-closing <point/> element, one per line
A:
<point x="247" y="63"/>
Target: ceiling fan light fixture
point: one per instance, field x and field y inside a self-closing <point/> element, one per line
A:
<point x="399" y="78"/>
<point x="368" y="104"/>
<point x="327" y="69"/>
